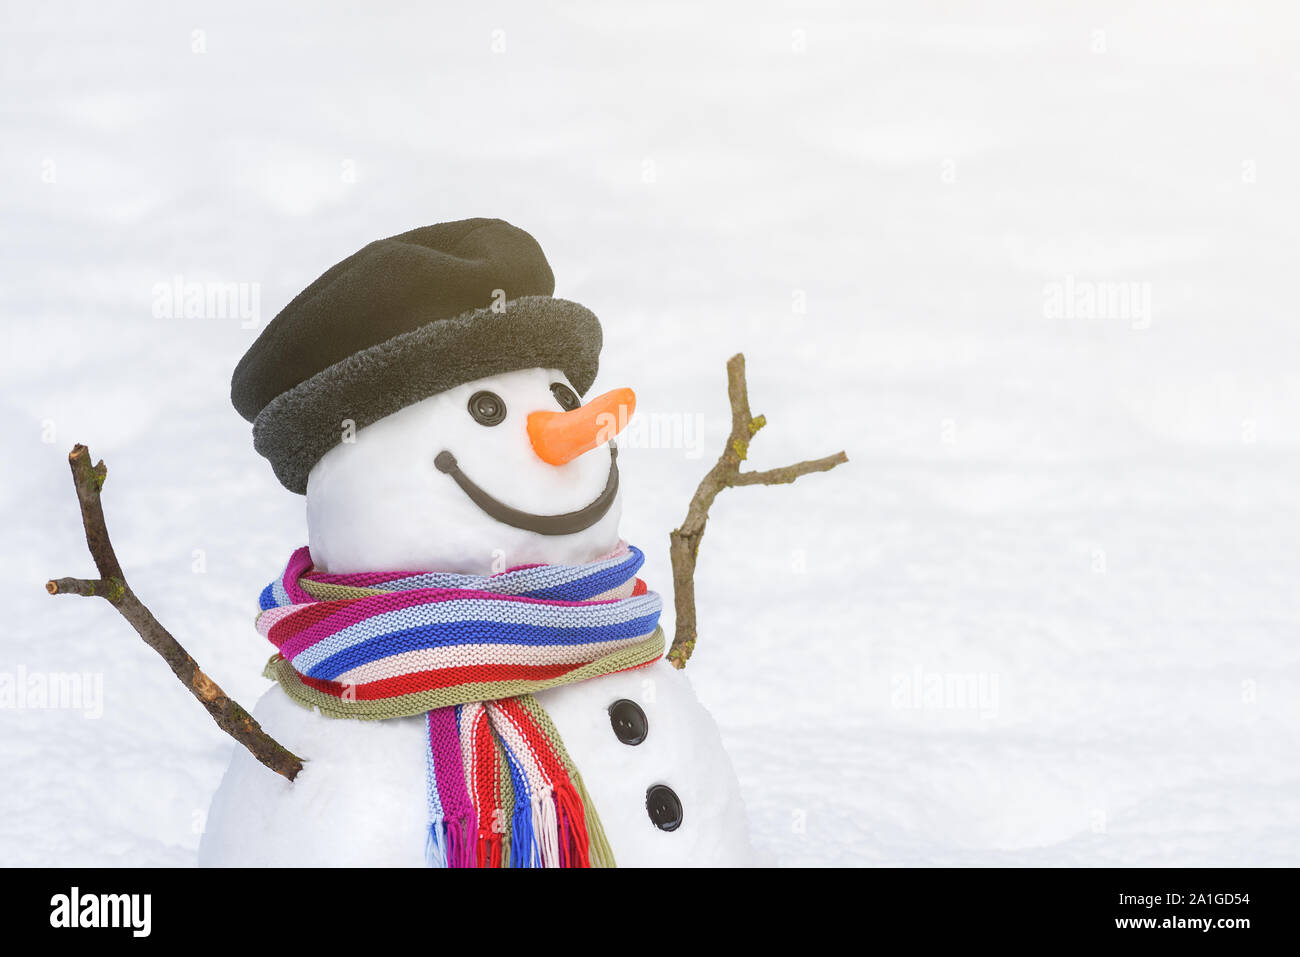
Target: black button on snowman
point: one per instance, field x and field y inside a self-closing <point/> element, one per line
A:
<point x="631" y="727"/>
<point x="664" y="807"/>
<point x="629" y="721"/>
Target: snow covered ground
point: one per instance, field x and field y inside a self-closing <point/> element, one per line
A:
<point x="1033" y="271"/>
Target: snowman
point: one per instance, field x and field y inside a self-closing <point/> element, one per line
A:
<point x="465" y="656"/>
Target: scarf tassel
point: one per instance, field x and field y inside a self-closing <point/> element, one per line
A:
<point x="489" y="848"/>
<point x="546" y="828"/>
<point x="558" y="815"/>
<point x="556" y="827"/>
<point x="574" y="843"/>
<point x="435" y="847"/>
<point x="523" y="839"/>
<point x="462" y="849"/>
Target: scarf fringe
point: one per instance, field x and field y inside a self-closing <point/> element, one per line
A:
<point x="462" y="848"/>
<point x="435" y="846"/>
<point x="556" y="827"/>
<point x="489" y="849"/>
<point x="523" y="839"/>
<point x="574" y="842"/>
<point x="546" y="825"/>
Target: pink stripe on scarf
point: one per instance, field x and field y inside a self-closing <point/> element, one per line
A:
<point x="449" y="769"/>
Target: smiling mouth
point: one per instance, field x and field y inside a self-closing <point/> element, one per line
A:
<point x="565" y="524"/>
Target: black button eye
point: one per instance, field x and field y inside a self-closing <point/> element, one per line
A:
<point x="487" y="408"/>
<point x="565" y="396"/>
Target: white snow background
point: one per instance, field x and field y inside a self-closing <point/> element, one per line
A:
<point x="1091" y="519"/>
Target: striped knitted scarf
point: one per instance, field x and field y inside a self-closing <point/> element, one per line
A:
<point x="468" y="652"/>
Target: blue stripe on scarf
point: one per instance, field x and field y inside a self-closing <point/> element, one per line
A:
<point x="585" y="588"/>
<point x="524" y="849"/>
<point x="476" y="633"/>
<point x="459" y="612"/>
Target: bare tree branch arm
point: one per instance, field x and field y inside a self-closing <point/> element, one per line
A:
<point x="784" y="476"/>
<point x="113" y="588"/>
<point x="684" y="541"/>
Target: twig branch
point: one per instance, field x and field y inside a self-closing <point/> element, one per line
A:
<point x="113" y="588"/>
<point x="684" y="542"/>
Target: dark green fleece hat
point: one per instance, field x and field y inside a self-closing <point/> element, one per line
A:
<point x="403" y="319"/>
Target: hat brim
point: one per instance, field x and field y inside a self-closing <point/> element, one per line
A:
<point x="299" y="426"/>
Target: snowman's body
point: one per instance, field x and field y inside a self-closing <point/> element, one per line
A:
<point x="360" y="800"/>
<point x="380" y="503"/>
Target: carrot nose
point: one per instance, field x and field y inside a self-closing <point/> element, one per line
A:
<point x="560" y="437"/>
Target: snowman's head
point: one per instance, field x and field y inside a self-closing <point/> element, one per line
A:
<point x="511" y="469"/>
<point x="423" y="394"/>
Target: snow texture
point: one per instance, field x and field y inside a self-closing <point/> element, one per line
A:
<point x="1030" y="268"/>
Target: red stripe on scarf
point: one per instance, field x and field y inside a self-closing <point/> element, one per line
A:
<point x="439" y="678"/>
<point x="485" y="787"/>
<point x="300" y="620"/>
